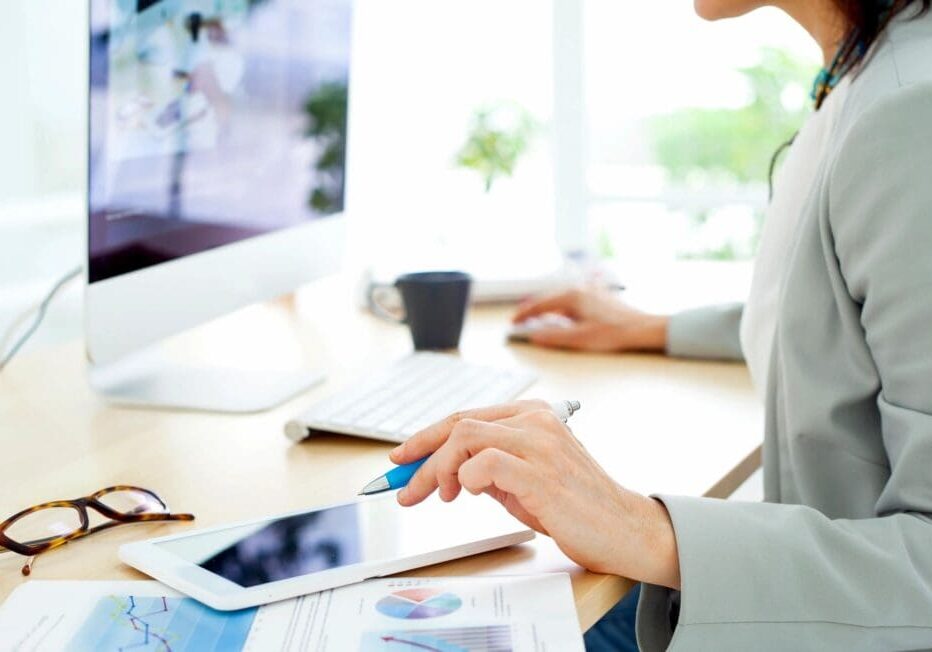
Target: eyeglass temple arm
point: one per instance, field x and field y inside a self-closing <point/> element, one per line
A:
<point x="161" y="517"/>
<point x="31" y="543"/>
<point x="109" y="524"/>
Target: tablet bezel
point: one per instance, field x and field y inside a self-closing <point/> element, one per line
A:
<point x="224" y="595"/>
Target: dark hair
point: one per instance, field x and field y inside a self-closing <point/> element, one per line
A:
<point x="867" y="19"/>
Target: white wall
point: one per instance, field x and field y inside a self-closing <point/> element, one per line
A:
<point x="42" y="153"/>
<point x="42" y="111"/>
<point x="422" y="67"/>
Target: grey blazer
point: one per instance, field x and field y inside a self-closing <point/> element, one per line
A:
<point x="839" y="557"/>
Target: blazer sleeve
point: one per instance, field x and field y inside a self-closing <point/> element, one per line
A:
<point x="711" y="332"/>
<point x="842" y="584"/>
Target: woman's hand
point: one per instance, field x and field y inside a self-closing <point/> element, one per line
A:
<point x="602" y="322"/>
<point x="522" y="455"/>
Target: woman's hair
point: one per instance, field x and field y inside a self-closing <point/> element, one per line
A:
<point x="867" y="19"/>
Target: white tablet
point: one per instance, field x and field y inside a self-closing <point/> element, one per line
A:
<point x="248" y="564"/>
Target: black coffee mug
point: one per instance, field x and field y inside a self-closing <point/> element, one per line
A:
<point x="434" y="307"/>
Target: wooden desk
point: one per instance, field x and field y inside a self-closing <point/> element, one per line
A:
<point x="657" y="425"/>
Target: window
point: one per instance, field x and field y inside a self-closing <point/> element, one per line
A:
<point x="683" y="117"/>
<point x="442" y="92"/>
<point x="680" y="116"/>
<point x="42" y="160"/>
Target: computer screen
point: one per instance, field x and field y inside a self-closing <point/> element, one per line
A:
<point x="212" y="121"/>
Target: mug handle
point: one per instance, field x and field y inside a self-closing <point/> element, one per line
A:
<point x="377" y="308"/>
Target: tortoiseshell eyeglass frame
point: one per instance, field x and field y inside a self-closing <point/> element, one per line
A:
<point x="33" y="548"/>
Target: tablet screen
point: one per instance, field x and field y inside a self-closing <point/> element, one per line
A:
<point x="288" y="547"/>
<point x="371" y="530"/>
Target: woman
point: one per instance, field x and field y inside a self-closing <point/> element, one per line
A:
<point x="837" y="333"/>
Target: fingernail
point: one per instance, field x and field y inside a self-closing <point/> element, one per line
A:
<point x="396" y="451"/>
<point x="402" y="496"/>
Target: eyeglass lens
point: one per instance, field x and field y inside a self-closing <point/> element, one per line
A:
<point x="46" y="523"/>
<point x="130" y="501"/>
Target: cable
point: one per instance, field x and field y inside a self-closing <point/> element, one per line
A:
<point x="37" y="321"/>
<point x="15" y="327"/>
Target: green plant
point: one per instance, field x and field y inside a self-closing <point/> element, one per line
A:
<point x="604" y="247"/>
<point x="326" y="110"/>
<point x="499" y="135"/>
<point x="698" y="145"/>
<point x="734" y="146"/>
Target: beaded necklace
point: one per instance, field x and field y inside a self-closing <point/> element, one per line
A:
<point x="849" y="54"/>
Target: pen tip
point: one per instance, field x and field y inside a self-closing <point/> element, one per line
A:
<point x="378" y="485"/>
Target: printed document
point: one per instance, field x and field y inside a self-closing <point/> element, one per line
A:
<point x="467" y="614"/>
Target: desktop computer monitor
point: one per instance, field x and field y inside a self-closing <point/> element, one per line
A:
<point x="218" y="134"/>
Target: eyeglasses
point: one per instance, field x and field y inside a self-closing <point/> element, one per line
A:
<point x="50" y="525"/>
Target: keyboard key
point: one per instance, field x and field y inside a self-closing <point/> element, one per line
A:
<point x="394" y="403"/>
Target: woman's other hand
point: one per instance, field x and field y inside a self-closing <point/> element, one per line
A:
<point x="601" y="322"/>
<point x="522" y="455"/>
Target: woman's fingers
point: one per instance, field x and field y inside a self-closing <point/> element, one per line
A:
<point x="516" y="509"/>
<point x="467" y="439"/>
<point x="572" y="337"/>
<point x="495" y="468"/>
<point x="430" y="439"/>
<point x="563" y="303"/>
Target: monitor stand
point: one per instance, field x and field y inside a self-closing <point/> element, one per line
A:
<point x="150" y="382"/>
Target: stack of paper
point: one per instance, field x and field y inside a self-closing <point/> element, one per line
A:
<point x="501" y="614"/>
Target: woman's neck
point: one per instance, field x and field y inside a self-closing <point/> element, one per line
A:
<point x="822" y="19"/>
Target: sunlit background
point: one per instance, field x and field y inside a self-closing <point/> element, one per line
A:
<point x="452" y="125"/>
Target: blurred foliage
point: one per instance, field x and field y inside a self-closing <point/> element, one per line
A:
<point x="499" y="135"/>
<point x="725" y="251"/>
<point x="698" y="145"/>
<point x="604" y="247"/>
<point x="734" y="146"/>
<point x="326" y="111"/>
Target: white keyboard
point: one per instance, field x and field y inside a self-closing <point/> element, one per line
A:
<point x="394" y="403"/>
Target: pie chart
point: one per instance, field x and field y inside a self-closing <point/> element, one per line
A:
<point x="416" y="604"/>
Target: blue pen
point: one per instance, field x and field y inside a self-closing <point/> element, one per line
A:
<point x="400" y="476"/>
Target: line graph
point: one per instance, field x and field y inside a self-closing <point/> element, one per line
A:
<point x="138" y="622"/>
<point x="159" y="624"/>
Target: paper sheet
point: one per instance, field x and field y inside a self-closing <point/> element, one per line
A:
<point x="490" y="614"/>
